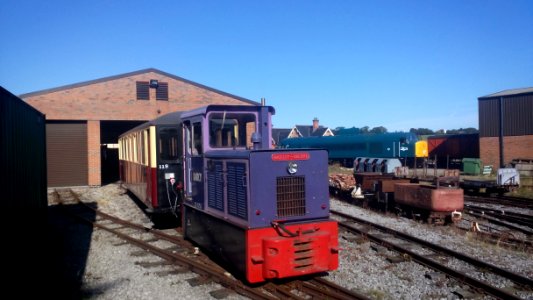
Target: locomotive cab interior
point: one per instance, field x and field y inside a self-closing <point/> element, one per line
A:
<point x="230" y="130"/>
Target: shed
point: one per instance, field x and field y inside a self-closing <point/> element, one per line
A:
<point x="84" y="120"/>
<point x="506" y="126"/>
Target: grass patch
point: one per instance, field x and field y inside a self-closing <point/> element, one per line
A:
<point x="522" y="192"/>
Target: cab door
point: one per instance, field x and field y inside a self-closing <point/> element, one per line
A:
<point x="169" y="167"/>
<point x="194" y="163"/>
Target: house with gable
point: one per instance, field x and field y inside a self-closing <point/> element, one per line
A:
<point x="279" y="134"/>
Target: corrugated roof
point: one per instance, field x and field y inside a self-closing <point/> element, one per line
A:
<point x="84" y="83"/>
<point x="510" y="92"/>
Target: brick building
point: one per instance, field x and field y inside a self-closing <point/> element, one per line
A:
<point x="506" y="126"/>
<point x="84" y="120"/>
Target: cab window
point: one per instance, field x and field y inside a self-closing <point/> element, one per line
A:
<point x="197" y="138"/>
<point x="229" y="130"/>
<point x="193" y="138"/>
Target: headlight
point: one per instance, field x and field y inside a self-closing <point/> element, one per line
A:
<point x="292" y="168"/>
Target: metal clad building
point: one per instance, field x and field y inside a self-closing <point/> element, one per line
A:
<point x="23" y="156"/>
<point x="84" y="120"/>
<point x="506" y="126"/>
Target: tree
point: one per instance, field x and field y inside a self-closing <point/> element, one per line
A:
<point x="463" y="131"/>
<point x="421" y="131"/>
<point x="345" y="131"/>
<point x="379" y="129"/>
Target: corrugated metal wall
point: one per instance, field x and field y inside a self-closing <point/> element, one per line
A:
<point x="488" y="117"/>
<point x="67" y="157"/>
<point x="517" y="116"/>
<point x="23" y="154"/>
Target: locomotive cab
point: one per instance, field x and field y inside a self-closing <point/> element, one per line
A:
<point x="264" y="211"/>
<point x="214" y="131"/>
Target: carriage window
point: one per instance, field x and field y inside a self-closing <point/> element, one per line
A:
<point x="168" y="144"/>
<point x="229" y="130"/>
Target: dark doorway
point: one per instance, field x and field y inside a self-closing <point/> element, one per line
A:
<point x="109" y="133"/>
<point x="109" y="159"/>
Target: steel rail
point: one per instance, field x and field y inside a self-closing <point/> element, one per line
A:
<point x="139" y="227"/>
<point x="339" y="290"/>
<point x="210" y="272"/>
<point x="497" y="292"/>
<point x="498" y="222"/>
<point x="510" y="201"/>
<point x="501" y="239"/>
<point x="520" y="219"/>
<point x="321" y="288"/>
<point x="502" y="211"/>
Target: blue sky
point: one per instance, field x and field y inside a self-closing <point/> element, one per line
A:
<point x="398" y="64"/>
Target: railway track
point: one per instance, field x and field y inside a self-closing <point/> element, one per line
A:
<point x="515" y="221"/>
<point x="513" y="217"/>
<point x="501" y="238"/>
<point x="186" y="258"/>
<point x="438" y="257"/>
<point x="501" y="200"/>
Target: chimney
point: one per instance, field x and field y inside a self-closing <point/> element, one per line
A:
<point x="315" y="124"/>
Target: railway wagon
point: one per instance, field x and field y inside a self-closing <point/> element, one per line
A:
<point x="346" y="148"/>
<point x="265" y="212"/>
<point x="507" y="180"/>
<point x="450" y="149"/>
<point x="436" y="204"/>
<point x="384" y="192"/>
<point x="367" y="181"/>
<point x="151" y="165"/>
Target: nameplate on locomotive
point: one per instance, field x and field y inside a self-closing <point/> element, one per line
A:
<point x="290" y="156"/>
<point x="196" y="176"/>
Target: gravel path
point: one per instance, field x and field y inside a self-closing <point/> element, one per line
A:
<point x="96" y="264"/>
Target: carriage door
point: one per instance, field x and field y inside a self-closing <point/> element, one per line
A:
<point x="194" y="175"/>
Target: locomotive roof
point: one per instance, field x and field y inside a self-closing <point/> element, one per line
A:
<point x="166" y="119"/>
<point x="203" y="110"/>
<point x="175" y="117"/>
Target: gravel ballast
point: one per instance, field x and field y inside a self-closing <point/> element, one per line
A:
<point x="92" y="263"/>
